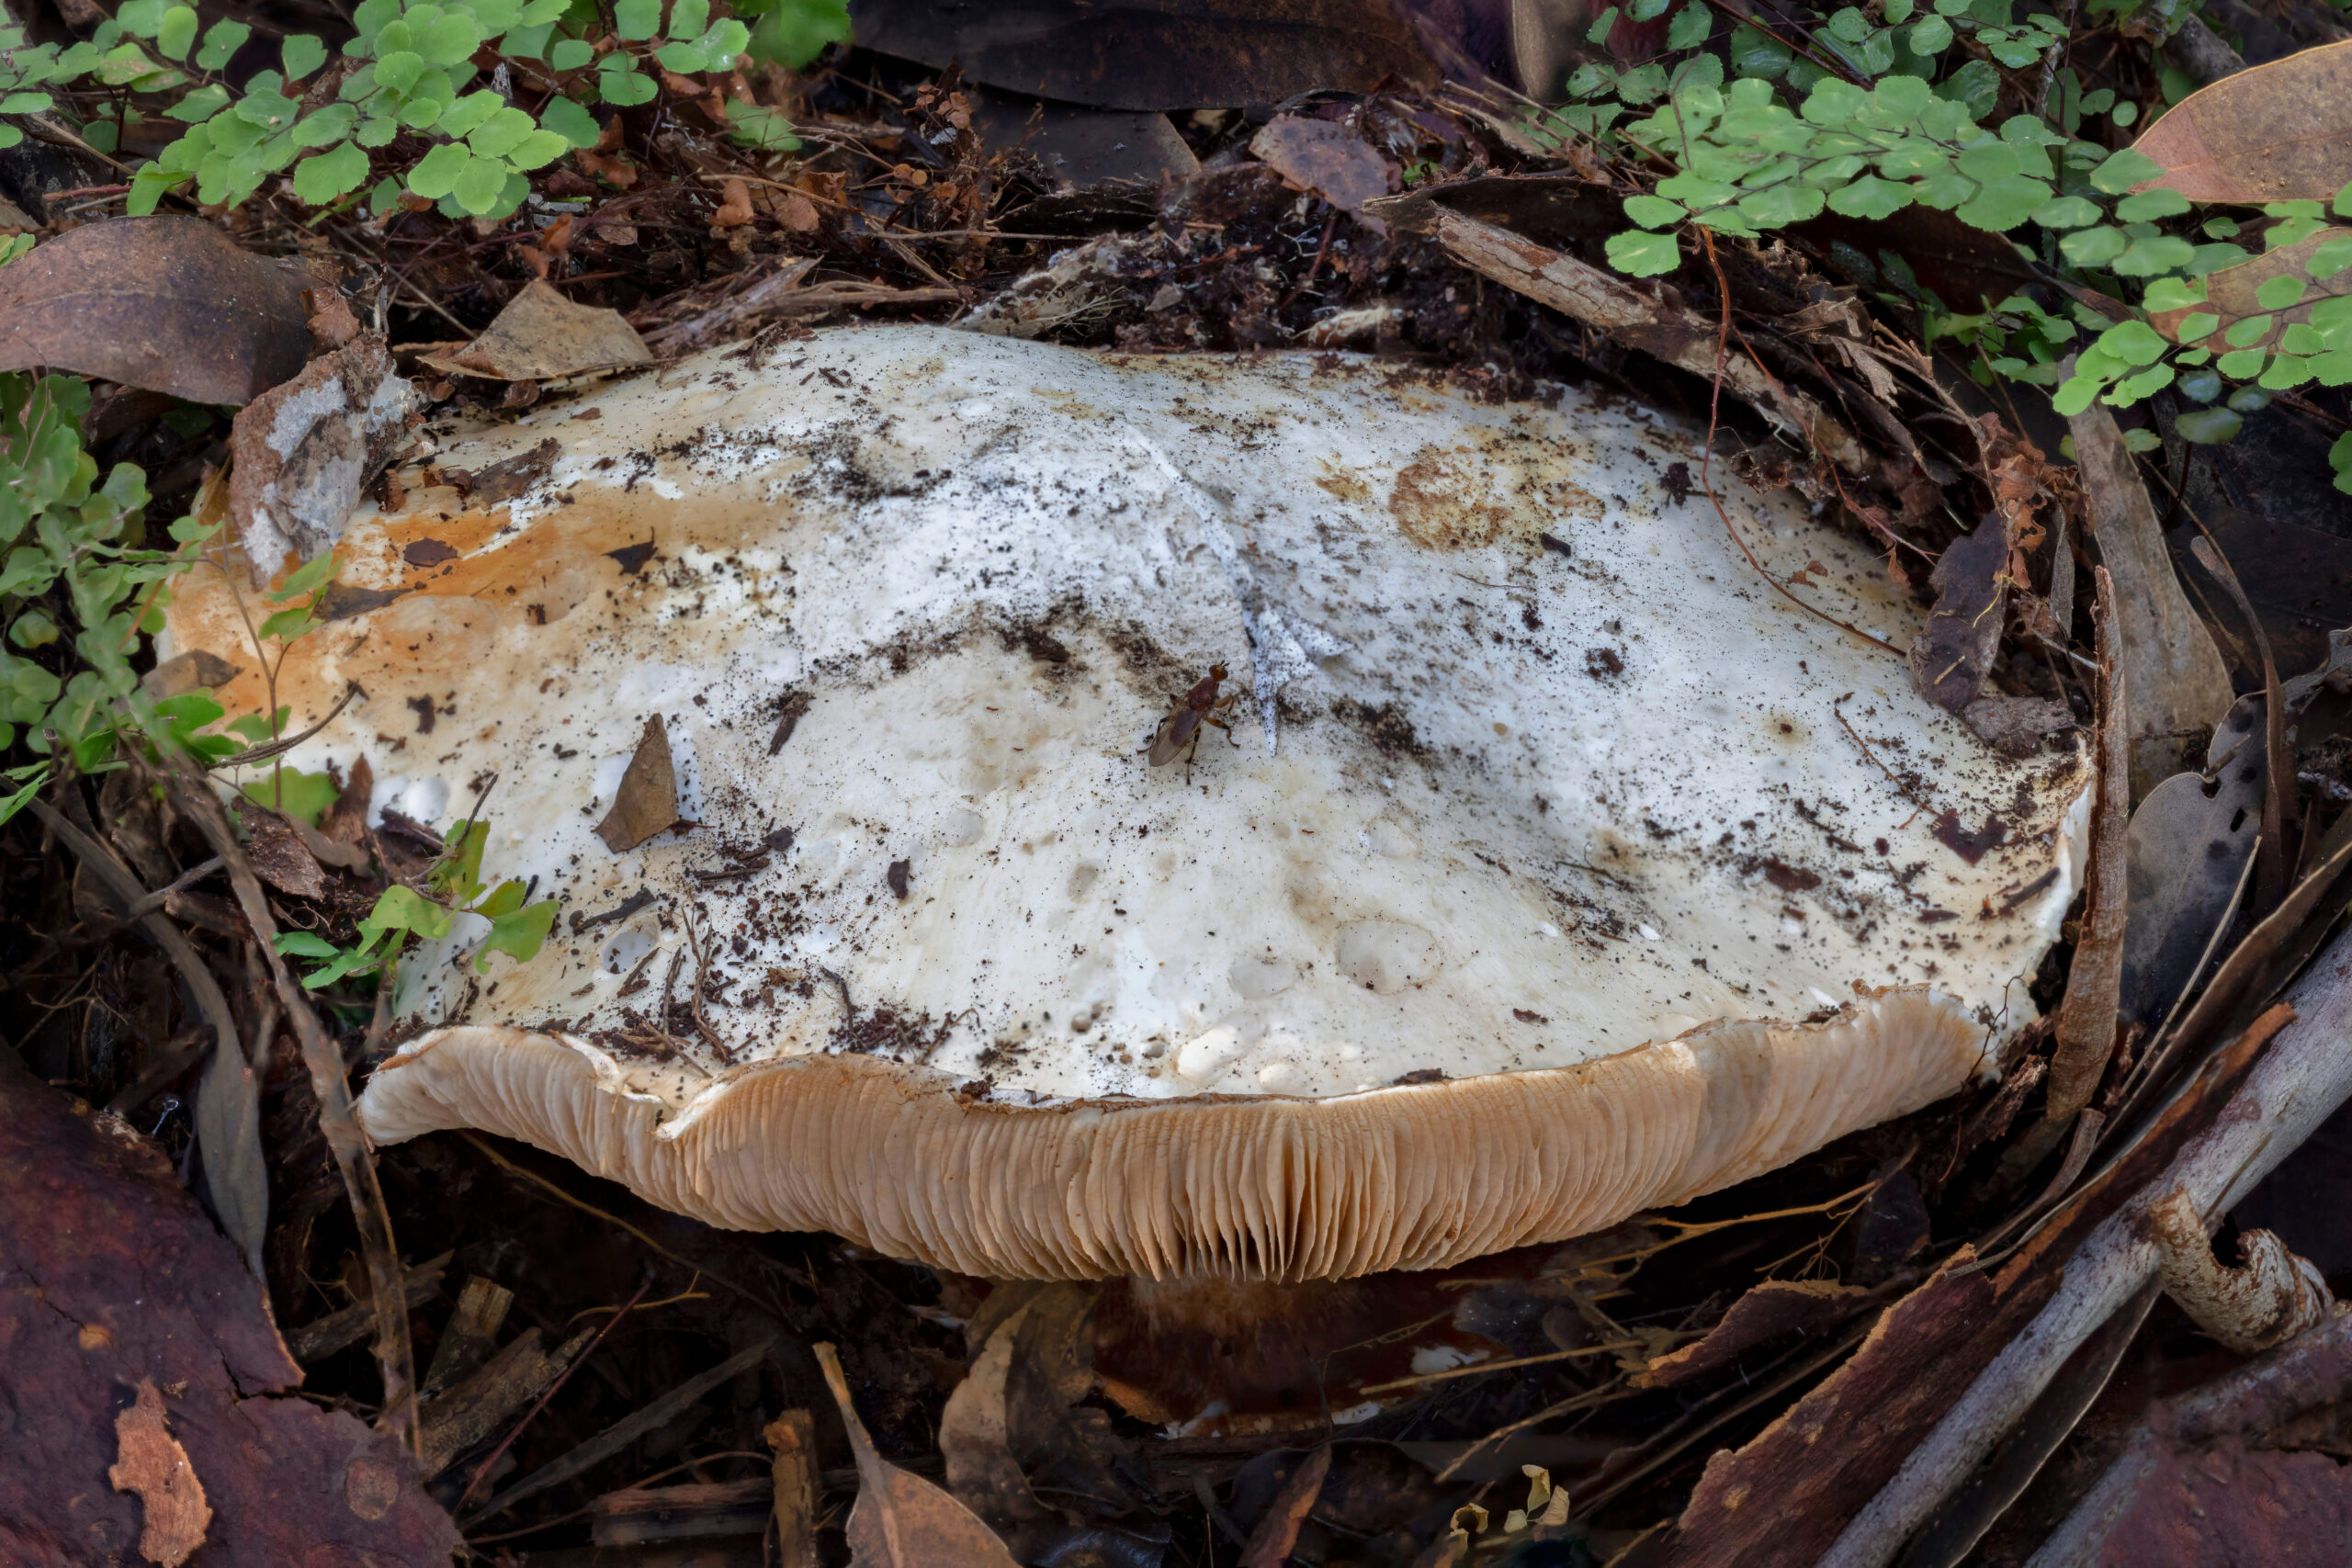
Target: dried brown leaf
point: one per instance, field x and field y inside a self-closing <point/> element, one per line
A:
<point x="1768" y="1311"/>
<point x="2187" y="854"/>
<point x="540" y="336"/>
<point x="1330" y="158"/>
<point x="647" y="801"/>
<point x="1271" y="1543"/>
<point x="2174" y="683"/>
<point x="2276" y="132"/>
<point x="735" y="211"/>
<point x="169" y="304"/>
<point x="1954" y="651"/>
<point x="901" y="1520"/>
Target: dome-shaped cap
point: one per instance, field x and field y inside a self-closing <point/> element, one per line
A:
<point x="1550" y="864"/>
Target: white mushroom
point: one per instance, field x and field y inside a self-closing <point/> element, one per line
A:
<point x="1536" y="881"/>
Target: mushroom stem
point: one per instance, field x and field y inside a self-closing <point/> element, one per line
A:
<point x="2304" y="1074"/>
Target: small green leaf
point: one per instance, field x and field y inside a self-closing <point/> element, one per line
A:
<point x="398" y="70"/>
<point x="2242" y="364"/>
<point x="294" y="793"/>
<point x="536" y="151"/>
<point x="1690" y="28"/>
<point x="1871" y="197"/>
<point x="1654" y="213"/>
<point x="2208" y="426"/>
<point x="2124" y="170"/>
<point x="450" y="40"/>
<point x="2066" y="212"/>
<point x="571" y="53"/>
<point x="308" y="578"/>
<point x="1753" y="54"/>
<point x="637" y="19"/>
<point x="326" y="127"/>
<point x="624" y="87"/>
<point x="141" y="18"/>
<point x="1641" y="254"/>
<point x="480" y="184"/>
<point x="569" y="120"/>
<point x="2134" y="342"/>
<point x="2247" y="330"/>
<point x="2093" y="247"/>
<point x="177" y="34"/>
<point x="301" y="54"/>
<point x="468" y="112"/>
<point x="500" y="134"/>
<point x="436" y="175"/>
<point x="400" y="909"/>
<point x="519" y="934"/>
<point x="1930" y="37"/>
<point x="222" y="40"/>
<point x="322" y="178"/>
<point x="689" y="17"/>
<point x="305" y="944"/>
<point x="2005" y="203"/>
<point x="201" y="105"/>
<point x="2197" y="326"/>
<point x="686" y="59"/>
<point x="2280" y="293"/>
<point x="2162" y="202"/>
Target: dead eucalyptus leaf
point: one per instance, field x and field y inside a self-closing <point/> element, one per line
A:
<point x="540" y="336"/>
<point x="1768" y="1311"/>
<point x="973" y="1439"/>
<point x="169" y="304"/>
<point x="2187" y="853"/>
<point x="1954" y="651"/>
<point x="1277" y="1534"/>
<point x="647" y="802"/>
<point x="1330" y="158"/>
<point x="2230" y="293"/>
<point x="2174" y="683"/>
<point x="228" y="1141"/>
<point x="901" y="1520"/>
<point x="2275" y="133"/>
<point x="198" y="670"/>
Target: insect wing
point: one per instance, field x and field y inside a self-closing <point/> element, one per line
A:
<point x="1175" y="732"/>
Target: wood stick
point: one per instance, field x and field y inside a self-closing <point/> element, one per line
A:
<point x="2304" y="1074"/>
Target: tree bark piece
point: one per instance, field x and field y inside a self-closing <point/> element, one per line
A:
<point x="1650" y="321"/>
<point x="2304" y="1073"/>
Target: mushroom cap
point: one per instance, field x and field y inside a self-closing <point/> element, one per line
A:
<point x="1534" y="880"/>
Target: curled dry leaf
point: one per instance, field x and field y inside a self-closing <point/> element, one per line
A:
<point x="169" y="304"/>
<point x="1271" y="1542"/>
<point x="647" y="801"/>
<point x="306" y="451"/>
<point x="540" y="336"/>
<point x="901" y="1520"/>
<point x="1330" y="158"/>
<point x="1768" y="1311"/>
<point x="2276" y="132"/>
<point x="2231" y="292"/>
<point x="735" y="211"/>
<point x="155" y="1466"/>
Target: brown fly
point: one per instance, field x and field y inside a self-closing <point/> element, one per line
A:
<point x="1180" y="732"/>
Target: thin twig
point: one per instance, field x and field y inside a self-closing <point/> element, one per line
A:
<point x="337" y="1124"/>
<point x="560" y="1379"/>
